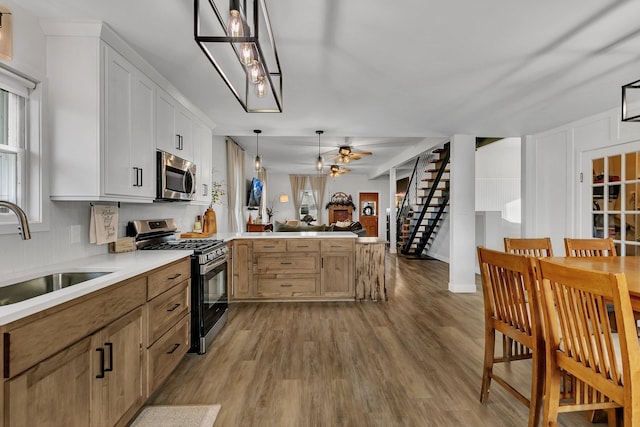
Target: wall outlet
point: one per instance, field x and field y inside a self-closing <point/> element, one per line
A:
<point x="74" y="234"/>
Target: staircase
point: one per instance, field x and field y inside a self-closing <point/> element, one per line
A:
<point x="425" y="202"/>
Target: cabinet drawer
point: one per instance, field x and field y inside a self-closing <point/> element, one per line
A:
<point x="35" y="341"/>
<point x="279" y="263"/>
<point x="166" y="309"/>
<point x="296" y="245"/>
<point x="167" y="277"/>
<point x="333" y="245"/>
<point x="165" y="354"/>
<point x="288" y="286"/>
<point x="269" y="245"/>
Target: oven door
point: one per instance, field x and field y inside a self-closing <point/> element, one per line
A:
<point x="210" y="304"/>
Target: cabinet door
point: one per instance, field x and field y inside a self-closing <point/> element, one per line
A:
<point x="166" y="137"/>
<point x="241" y="282"/>
<point x="120" y="361"/>
<point x="119" y="178"/>
<point x="202" y="156"/>
<point x="55" y="392"/>
<point x="184" y="125"/>
<point x="337" y="274"/>
<point x="143" y="146"/>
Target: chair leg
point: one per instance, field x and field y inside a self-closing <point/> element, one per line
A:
<point x="489" y="346"/>
<point x="507" y="348"/>
<point x="537" y="388"/>
<point x="552" y="396"/>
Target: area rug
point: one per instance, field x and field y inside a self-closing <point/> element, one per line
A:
<point x="177" y="416"/>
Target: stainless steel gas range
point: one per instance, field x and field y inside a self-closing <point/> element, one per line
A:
<point x="209" y="306"/>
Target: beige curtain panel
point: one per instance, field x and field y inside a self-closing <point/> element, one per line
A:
<point x="318" y="186"/>
<point x="298" y="183"/>
<point x="235" y="185"/>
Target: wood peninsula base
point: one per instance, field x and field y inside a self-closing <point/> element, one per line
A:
<point x="288" y="266"/>
<point x="370" y="283"/>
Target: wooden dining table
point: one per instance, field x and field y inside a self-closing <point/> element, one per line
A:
<point x="629" y="265"/>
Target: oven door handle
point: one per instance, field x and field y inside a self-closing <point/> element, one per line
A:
<point x="206" y="268"/>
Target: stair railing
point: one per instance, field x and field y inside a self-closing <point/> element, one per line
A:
<point x="425" y="207"/>
<point x="405" y="210"/>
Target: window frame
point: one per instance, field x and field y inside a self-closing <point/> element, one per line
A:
<point x="34" y="188"/>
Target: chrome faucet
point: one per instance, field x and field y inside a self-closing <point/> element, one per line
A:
<point x="22" y="217"/>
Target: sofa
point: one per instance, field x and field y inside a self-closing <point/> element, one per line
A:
<point x="354" y="227"/>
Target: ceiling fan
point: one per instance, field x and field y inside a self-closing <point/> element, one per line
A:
<point x="335" y="171"/>
<point x="346" y="154"/>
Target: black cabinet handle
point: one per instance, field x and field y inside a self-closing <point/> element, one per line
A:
<point x="175" y="347"/>
<point x="137" y="173"/>
<point x="286" y="263"/>
<point x="175" y="277"/>
<point x="101" y="351"/>
<point x="269" y="247"/>
<point x="141" y="172"/>
<point x="174" y="307"/>
<point x="177" y="142"/>
<point x="286" y="285"/>
<point x="110" y="347"/>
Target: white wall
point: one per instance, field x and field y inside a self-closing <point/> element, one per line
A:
<point x="552" y="161"/>
<point x="54" y="245"/>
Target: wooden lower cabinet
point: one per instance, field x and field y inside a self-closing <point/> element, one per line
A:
<point x="337" y="274"/>
<point x="241" y="270"/>
<point x="55" y="392"/>
<point x="92" y="383"/>
<point x="118" y="378"/>
<point x="102" y="377"/>
<point x="295" y="268"/>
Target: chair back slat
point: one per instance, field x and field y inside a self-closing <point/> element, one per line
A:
<point x="589" y="247"/>
<point x="536" y="247"/>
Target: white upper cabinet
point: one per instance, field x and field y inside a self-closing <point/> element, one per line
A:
<point x="203" y="158"/>
<point x="174" y="132"/>
<point x="128" y="129"/>
<point x="109" y="111"/>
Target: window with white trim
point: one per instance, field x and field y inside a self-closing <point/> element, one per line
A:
<point x="20" y="148"/>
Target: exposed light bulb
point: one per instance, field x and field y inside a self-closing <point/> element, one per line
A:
<point x="346" y="159"/>
<point x="340" y="160"/>
<point x="319" y="164"/>
<point x="246" y="54"/>
<point x="258" y="163"/>
<point x="255" y="71"/>
<point x="261" y="87"/>
<point x="235" y="27"/>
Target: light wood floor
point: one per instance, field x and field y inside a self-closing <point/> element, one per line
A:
<point x="415" y="360"/>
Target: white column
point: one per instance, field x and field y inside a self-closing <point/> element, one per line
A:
<point x="462" y="212"/>
<point x="392" y="211"/>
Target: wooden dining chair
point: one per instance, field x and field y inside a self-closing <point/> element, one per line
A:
<point x="605" y="366"/>
<point x="509" y="287"/>
<point x="589" y="247"/>
<point x="537" y="247"/>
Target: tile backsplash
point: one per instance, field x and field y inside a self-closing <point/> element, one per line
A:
<point x="68" y="234"/>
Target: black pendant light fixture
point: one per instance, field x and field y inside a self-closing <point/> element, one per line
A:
<point x="319" y="160"/>
<point x="258" y="160"/>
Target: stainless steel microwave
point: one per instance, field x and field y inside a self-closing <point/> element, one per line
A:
<point x="176" y="178"/>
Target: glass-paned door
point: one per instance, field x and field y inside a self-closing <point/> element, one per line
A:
<point x="610" y="205"/>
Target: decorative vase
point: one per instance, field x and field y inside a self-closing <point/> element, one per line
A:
<point x="210" y="225"/>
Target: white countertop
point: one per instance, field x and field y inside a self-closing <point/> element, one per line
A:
<point x="123" y="266"/>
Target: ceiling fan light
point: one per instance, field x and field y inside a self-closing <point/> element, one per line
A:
<point x="346" y="159"/>
<point x="235" y="28"/>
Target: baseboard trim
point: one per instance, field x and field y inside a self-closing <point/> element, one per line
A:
<point x="462" y="288"/>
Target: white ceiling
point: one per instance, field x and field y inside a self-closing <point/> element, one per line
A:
<point x="388" y="74"/>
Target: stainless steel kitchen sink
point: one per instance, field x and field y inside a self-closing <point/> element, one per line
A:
<point x="26" y="289"/>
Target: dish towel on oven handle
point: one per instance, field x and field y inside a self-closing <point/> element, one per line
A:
<point x="103" y="227"/>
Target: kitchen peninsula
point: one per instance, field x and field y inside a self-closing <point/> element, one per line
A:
<point x="304" y="266"/>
